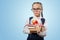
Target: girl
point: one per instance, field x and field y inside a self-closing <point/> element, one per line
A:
<point x="34" y="26"/>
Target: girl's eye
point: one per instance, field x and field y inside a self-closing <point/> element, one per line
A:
<point x="36" y="9"/>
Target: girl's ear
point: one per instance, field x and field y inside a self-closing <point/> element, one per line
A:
<point x="31" y="9"/>
<point x="41" y="11"/>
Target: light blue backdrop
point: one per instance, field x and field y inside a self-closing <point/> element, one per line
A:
<point x="13" y="14"/>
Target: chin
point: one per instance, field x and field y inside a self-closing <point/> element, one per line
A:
<point x="36" y="15"/>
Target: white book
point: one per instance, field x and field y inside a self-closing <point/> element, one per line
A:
<point x="31" y="27"/>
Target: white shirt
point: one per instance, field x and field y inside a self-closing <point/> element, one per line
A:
<point x="27" y="31"/>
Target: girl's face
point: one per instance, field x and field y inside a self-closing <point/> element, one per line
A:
<point x="37" y="9"/>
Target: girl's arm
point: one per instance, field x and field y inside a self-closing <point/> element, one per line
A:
<point x="26" y="29"/>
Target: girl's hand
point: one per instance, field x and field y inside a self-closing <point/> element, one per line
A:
<point x="38" y="28"/>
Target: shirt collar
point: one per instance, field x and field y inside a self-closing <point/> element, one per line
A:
<point x="37" y="17"/>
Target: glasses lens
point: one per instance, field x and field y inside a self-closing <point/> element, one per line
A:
<point x="36" y="9"/>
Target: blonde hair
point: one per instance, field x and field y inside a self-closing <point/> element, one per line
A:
<point x="38" y="3"/>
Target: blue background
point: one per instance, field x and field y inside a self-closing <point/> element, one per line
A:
<point x="13" y="14"/>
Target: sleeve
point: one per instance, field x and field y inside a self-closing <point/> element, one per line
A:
<point x="43" y="34"/>
<point x="26" y="29"/>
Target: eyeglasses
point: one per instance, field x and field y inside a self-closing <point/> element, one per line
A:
<point x="36" y="9"/>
